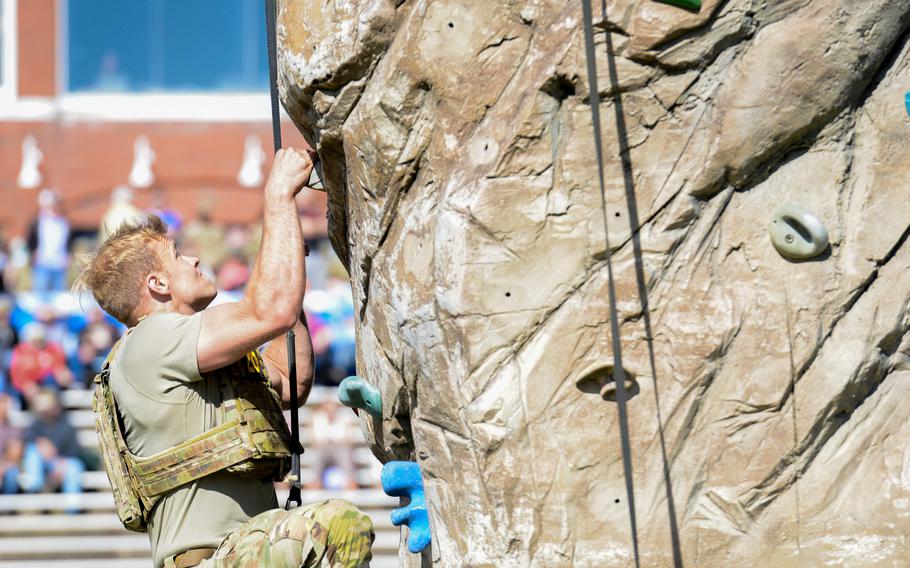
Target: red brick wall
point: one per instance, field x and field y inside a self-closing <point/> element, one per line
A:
<point x="196" y="164"/>
<point x="37" y="49"/>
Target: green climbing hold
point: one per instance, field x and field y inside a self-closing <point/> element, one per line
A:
<point x="694" y="5"/>
<point x="796" y="233"/>
<point x="357" y="393"/>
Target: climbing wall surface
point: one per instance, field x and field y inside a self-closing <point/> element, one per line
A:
<point x="768" y="420"/>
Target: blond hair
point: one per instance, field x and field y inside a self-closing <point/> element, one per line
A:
<point x="115" y="274"/>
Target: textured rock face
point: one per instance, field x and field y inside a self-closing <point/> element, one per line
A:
<point x="769" y="425"/>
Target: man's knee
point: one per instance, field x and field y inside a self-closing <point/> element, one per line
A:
<point x="333" y="533"/>
<point x="350" y="531"/>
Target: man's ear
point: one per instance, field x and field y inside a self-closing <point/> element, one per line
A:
<point x="157" y="283"/>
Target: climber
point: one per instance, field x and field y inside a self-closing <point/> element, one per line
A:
<point x="184" y="372"/>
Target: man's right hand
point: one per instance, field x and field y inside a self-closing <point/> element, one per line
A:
<point x="290" y="173"/>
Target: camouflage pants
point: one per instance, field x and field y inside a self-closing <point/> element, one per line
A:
<point x="330" y="534"/>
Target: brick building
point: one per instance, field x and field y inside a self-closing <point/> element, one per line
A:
<point x="168" y="96"/>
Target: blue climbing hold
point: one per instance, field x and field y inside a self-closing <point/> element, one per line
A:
<point x="402" y="479"/>
<point x="357" y="393"/>
<point x="907" y="101"/>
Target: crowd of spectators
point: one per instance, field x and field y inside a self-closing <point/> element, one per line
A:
<point x="53" y="339"/>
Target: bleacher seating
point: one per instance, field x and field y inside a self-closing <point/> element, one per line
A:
<point x="37" y="532"/>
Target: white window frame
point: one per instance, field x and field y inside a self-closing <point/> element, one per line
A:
<point x="164" y="107"/>
<point x="9" y="81"/>
<point x="62" y="51"/>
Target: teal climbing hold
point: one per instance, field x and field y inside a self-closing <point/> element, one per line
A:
<point x="402" y="479"/>
<point x="907" y="101"/>
<point x="694" y="5"/>
<point x="357" y="393"/>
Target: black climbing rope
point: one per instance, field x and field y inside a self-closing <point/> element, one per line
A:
<point x="294" y="494"/>
<point x="273" y="71"/>
<point x="619" y="373"/>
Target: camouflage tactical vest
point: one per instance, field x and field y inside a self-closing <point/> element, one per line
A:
<point x="252" y="441"/>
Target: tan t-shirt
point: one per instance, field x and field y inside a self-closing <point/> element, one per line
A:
<point x="165" y="401"/>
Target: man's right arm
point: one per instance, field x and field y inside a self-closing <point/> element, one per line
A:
<point x="274" y="293"/>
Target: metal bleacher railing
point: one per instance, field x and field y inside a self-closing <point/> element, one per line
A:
<point x="36" y="531"/>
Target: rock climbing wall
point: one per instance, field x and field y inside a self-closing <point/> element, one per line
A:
<point x="768" y="423"/>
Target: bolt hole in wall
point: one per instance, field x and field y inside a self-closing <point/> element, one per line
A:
<point x="616" y="500"/>
<point x="508" y="294"/>
<point x="599" y="379"/>
<point x="617" y="214"/>
<point x="451" y="25"/>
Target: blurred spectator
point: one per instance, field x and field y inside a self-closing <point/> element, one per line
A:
<point x="321" y="338"/>
<point x="206" y="237"/>
<point x="37" y="362"/>
<point x="254" y="238"/>
<point x="8" y="339"/>
<point x="313" y="208"/>
<point x="343" y="347"/>
<point x="317" y="264"/>
<point x="170" y="216"/>
<point x="57" y="327"/>
<point x="4" y="264"/>
<point x="10" y="449"/>
<point x="120" y="211"/>
<point x="237" y="240"/>
<point x="110" y="79"/>
<point x="95" y="342"/>
<point x="330" y="314"/>
<point x="48" y="242"/>
<point x="82" y="246"/>
<point x="52" y="453"/>
<point x="18" y="274"/>
<point x="232" y="274"/>
<point x="332" y="449"/>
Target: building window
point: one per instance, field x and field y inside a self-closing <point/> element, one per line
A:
<point x="166" y="46"/>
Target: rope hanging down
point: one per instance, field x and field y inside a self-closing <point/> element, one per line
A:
<point x="273" y="71"/>
<point x="294" y="494"/>
<point x="619" y="373"/>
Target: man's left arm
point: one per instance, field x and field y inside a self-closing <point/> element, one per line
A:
<point x="276" y="362"/>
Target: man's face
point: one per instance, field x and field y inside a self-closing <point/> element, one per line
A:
<point x="188" y="285"/>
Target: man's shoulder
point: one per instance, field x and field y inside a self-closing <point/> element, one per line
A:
<point x="163" y="327"/>
<point x="165" y="318"/>
<point x="164" y="340"/>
